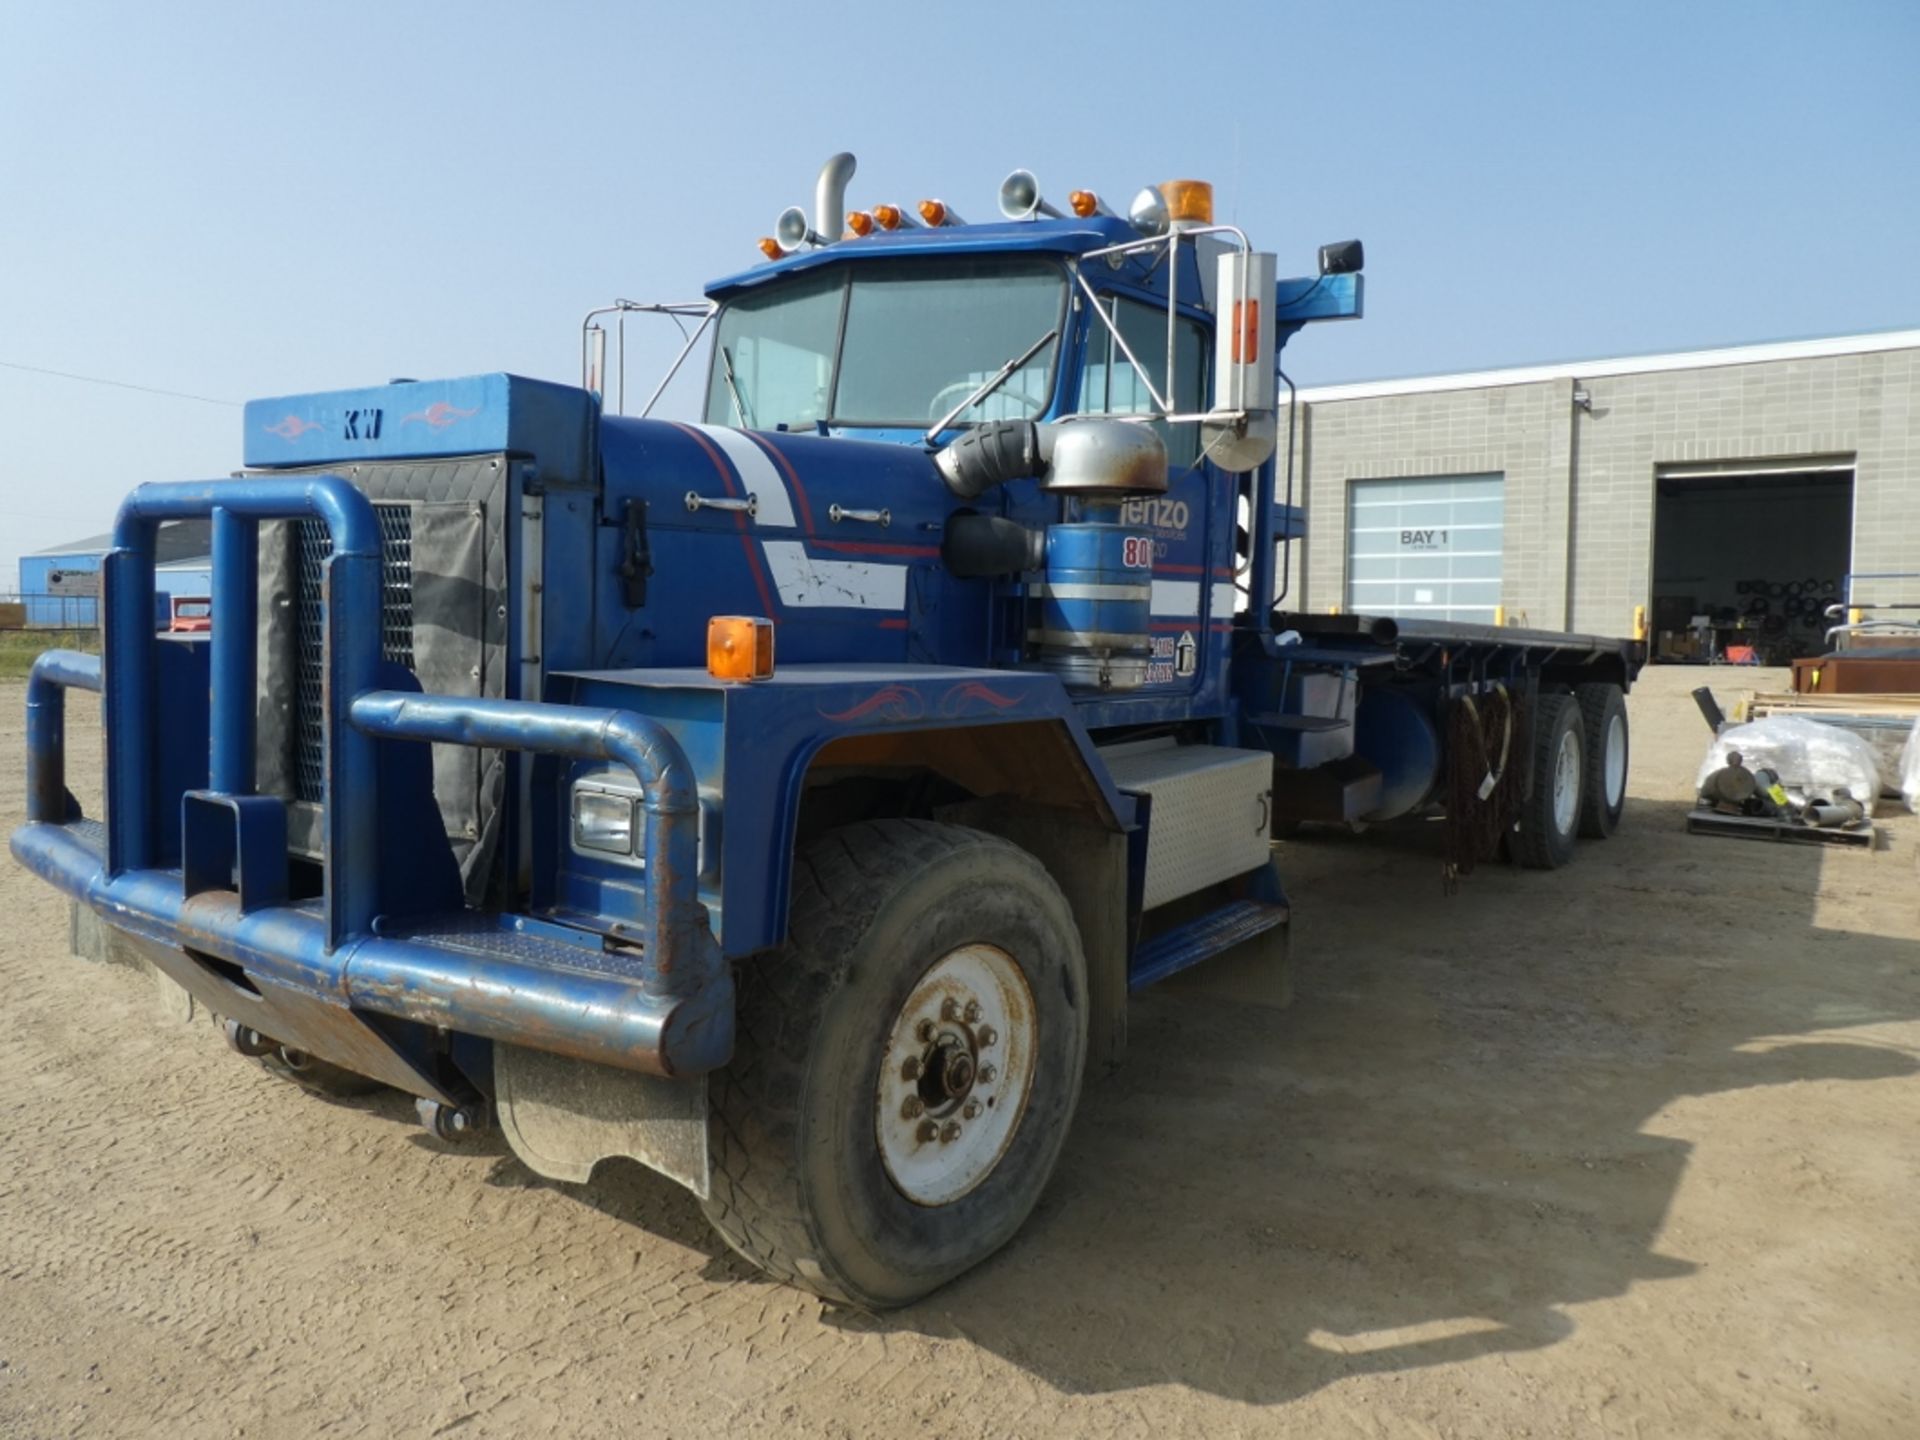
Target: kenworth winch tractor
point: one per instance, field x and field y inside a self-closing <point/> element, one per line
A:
<point x="789" y="801"/>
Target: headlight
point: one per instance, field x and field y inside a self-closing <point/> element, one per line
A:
<point x="603" y="822"/>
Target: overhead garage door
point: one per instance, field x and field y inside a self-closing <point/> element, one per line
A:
<point x="1427" y="547"/>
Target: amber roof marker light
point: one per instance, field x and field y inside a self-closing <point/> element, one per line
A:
<point x="938" y="213"/>
<point x="892" y="217"/>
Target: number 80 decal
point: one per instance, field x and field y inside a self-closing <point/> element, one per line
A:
<point x="1137" y="553"/>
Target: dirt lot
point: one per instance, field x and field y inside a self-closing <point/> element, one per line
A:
<point x="1626" y="1150"/>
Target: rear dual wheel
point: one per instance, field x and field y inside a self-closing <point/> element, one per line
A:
<point x="1550" y="814"/>
<point x="1579" y="775"/>
<point x="905" y="1068"/>
<point x="1603" y="718"/>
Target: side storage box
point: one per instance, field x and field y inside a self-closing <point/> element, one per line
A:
<point x="1211" y="817"/>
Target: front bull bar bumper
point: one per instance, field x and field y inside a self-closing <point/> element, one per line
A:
<point x="320" y="974"/>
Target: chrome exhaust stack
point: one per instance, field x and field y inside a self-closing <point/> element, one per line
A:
<point x="830" y="196"/>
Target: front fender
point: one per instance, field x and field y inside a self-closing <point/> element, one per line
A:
<point x="755" y="742"/>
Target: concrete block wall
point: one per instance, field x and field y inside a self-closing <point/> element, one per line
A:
<point x="1578" y="550"/>
<point x="1521" y="432"/>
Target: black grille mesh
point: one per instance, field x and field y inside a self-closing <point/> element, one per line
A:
<point x="314" y="545"/>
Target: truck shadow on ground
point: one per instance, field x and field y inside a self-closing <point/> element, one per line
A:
<point x="1453" y="1135"/>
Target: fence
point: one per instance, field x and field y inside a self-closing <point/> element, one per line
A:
<point x="49" y="612"/>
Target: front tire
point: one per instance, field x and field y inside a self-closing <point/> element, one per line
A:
<point x="905" y="1068"/>
<point x="1550" y="815"/>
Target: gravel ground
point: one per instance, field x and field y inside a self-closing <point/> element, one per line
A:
<point x="1628" y="1149"/>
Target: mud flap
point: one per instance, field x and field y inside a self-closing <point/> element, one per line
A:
<point x="562" y="1116"/>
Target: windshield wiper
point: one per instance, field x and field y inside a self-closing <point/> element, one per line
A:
<point x="1005" y="372"/>
<point x="733" y="388"/>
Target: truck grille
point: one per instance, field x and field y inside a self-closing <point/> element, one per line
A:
<point x="313" y="546"/>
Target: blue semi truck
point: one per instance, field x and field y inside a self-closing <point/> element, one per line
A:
<point x="792" y="800"/>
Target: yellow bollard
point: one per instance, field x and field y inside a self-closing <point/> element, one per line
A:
<point x="1639" y="622"/>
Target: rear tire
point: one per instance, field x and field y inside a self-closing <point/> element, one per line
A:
<point x="1550" y="815"/>
<point x="1603" y="719"/>
<point x="899" y="928"/>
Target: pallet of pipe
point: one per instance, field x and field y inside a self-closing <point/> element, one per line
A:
<point x="1883" y="721"/>
<point x="1783" y="702"/>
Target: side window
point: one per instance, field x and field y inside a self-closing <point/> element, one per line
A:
<point x="1109" y="385"/>
<point x="773" y="358"/>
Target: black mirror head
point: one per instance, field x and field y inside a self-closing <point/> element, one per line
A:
<point x="1343" y="257"/>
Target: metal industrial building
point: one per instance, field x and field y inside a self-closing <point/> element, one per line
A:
<point x="60" y="586"/>
<point x="1740" y="486"/>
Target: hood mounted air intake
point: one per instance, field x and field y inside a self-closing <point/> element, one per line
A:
<point x="1093" y="458"/>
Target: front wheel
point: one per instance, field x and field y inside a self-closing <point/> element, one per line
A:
<point x="905" y="1068"/>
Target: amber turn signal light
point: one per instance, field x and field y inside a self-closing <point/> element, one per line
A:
<point x="739" y="647"/>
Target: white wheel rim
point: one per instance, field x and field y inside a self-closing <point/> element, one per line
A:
<point x="1616" y="760"/>
<point x="955" y="1076"/>
<point x="1566" y="782"/>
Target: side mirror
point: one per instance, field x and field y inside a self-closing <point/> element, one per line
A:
<point x="1343" y="257"/>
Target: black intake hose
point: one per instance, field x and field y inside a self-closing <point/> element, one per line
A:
<point x="992" y="454"/>
<point x="976" y="547"/>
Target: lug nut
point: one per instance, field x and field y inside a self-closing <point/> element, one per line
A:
<point x="924" y="1030"/>
<point x="971" y="1110"/>
<point x="928" y="1132"/>
<point x="951" y="1133"/>
<point x="949" y="1009"/>
<point x="987" y="1074"/>
<point x="914" y="1107"/>
<point x="973" y="1012"/>
<point x="910" y="1068"/>
<point x="987" y="1036"/>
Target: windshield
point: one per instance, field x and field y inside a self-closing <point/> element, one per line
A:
<point x="896" y="343"/>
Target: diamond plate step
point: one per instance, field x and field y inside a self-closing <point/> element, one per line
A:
<point x="1212" y="934"/>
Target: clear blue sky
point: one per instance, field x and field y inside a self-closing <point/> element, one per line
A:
<point x="245" y="199"/>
